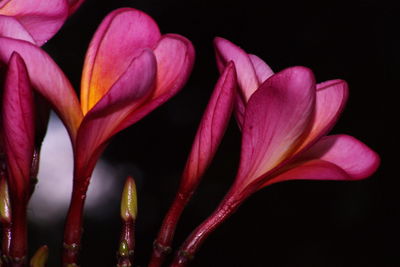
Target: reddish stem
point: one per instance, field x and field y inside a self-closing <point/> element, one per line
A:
<point x="125" y="254"/>
<point x="162" y="245"/>
<point x="18" y="246"/>
<point x="74" y="224"/>
<point x="198" y="236"/>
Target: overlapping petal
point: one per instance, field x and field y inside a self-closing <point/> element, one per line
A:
<point x="175" y="57"/>
<point x="12" y="28"/>
<point x="335" y="157"/>
<point x="18" y="126"/>
<point x="278" y="117"/>
<point x="121" y="37"/>
<point x="47" y="79"/>
<point x="41" y="18"/>
<point x="246" y="74"/>
<point x="104" y="119"/>
<point x="212" y="127"/>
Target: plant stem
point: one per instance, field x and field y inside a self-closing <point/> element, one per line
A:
<point x="198" y="236"/>
<point x="74" y="223"/>
<point x="18" y="246"/>
<point x="127" y="244"/>
<point x="162" y="245"/>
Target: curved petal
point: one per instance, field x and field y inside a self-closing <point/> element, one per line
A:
<point x="212" y="128"/>
<point x="175" y="58"/>
<point x="47" y="79"/>
<point x="18" y="126"/>
<point x="278" y="116"/>
<point x="330" y="101"/>
<point x="121" y="37"/>
<point x="103" y="120"/>
<point x="41" y="18"/>
<point x="335" y="157"/>
<point x="12" y="28"/>
<point x="246" y="74"/>
<point x="263" y="71"/>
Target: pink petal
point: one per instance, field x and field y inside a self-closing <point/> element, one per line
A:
<point x="247" y="77"/>
<point x="335" y="157"/>
<point x="41" y="18"/>
<point x="278" y="115"/>
<point x="121" y="37"/>
<point x="212" y="128"/>
<point x="12" y="28"/>
<point x="263" y="71"/>
<point x="47" y="79"/>
<point x="331" y="99"/>
<point x="103" y="120"/>
<point x="18" y="125"/>
<point x="175" y="58"/>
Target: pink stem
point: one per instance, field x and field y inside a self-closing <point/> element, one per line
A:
<point x="74" y="224"/>
<point x="199" y="235"/>
<point x="162" y="245"/>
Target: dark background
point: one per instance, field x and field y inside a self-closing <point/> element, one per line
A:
<point x="300" y="223"/>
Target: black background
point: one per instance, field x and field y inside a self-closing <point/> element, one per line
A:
<point x="301" y="223"/>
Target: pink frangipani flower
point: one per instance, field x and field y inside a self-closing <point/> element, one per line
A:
<point x="35" y="21"/>
<point x="284" y="119"/>
<point x="129" y="70"/>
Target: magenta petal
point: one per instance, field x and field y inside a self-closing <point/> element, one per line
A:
<point x="348" y="153"/>
<point x="12" y="28"/>
<point x="335" y="157"/>
<point x="330" y="101"/>
<point x="121" y="37"/>
<point x="41" y="18"/>
<point x="105" y="118"/>
<point x="212" y="128"/>
<point x="278" y="115"/>
<point x="263" y="71"/>
<point x="47" y="79"/>
<point x="175" y="58"/>
<point x="18" y="125"/>
<point x="246" y="75"/>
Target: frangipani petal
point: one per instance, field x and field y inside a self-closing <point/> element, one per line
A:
<point x="246" y="73"/>
<point x="263" y="71"/>
<point x="18" y="126"/>
<point x="335" y="157"/>
<point x="121" y="37"/>
<point x="175" y="58"/>
<point x="278" y="116"/>
<point x="212" y="128"/>
<point x="104" y="119"/>
<point x="41" y="18"/>
<point x="12" y="28"/>
<point x="330" y="101"/>
<point x="47" y="79"/>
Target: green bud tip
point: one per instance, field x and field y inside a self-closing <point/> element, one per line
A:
<point x="40" y="257"/>
<point x="5" y="207"/>
<point x="129" y="200"/>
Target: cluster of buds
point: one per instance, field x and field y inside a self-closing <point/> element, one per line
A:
<point x="129" y="70"/>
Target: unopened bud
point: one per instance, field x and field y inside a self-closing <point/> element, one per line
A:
<point x="129" y="200"/>
<point x="40" y="257"/>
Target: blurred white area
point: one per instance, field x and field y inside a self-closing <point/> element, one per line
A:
<point x="51" y="198"/>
